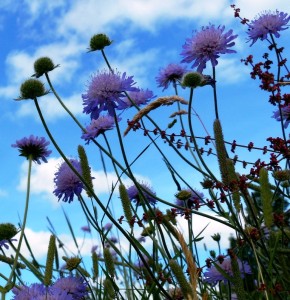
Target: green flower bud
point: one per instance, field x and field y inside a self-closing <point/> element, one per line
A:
<point x="43" y="65"/>
<point x="147" y="231"/>
<point x="72" y="263"/>
<point x="183" y="195"/>
<point x="281" y="175"/>
<point x="99" y="42"/>
<point x="31" y="89"/>
<point x="212" y="253"/>
<point x="192" y="80"/>
<point x="7" y="231"/>
<point x="216" y="237"/>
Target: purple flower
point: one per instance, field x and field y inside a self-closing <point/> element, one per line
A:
<point x="108" y="226"/>
<point x="34" y="147"/>
<point x="267" y="23"/>
<point x="98" y="126"/>
<point x="213" y="276"/>
<point x="106" y="93"/>
<point x="94" y="248"/>
<point x="86" y="228"/>
<point x="67" y="182"/>
<point x="137" y="196"/>
<point x="73" y="286"/>
<point x="193" y="201"/>
<point x="171" y="74"/>
<point x="285" y="115"/>
<point x="4" y="243"/>
<point x="207" y="45"/>
<point x="34" y="291"/>
<point x="140" y="97"/>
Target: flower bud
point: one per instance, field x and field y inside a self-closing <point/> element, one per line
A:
<point x="32" y="88"/>
<point x="183" y="195"/>
<point x="43" y="65"/>
<point x="7" y="231"/>
<point x="192" y="79"/>
<point x="99" y="42"/>
<point x="71" y="263"/>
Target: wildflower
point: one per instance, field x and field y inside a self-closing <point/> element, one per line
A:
<point x="213" y="276"/>
<point x="74" y="286"/>
<point x="192" y="200"/>
<point x="285" y="115"/>
<point x="207" y="45"/>
<point x="29" y="292"/>
<point x="31" y="89"/>
<point x="192" y="79"/>
<point x="42" y="66"/>
<point x="108" y="226"/>
<point x="86" y="228"/>
<point x="267" y="23"/>
<point x="99" y="42"/>
<point x="67" y="182"/>
<point x="98" y="126"/>
<point x="106" y="93"/>
<point x="170" y="74"/>
<point x="140" y="97"/>
<point x="33" y="147"/>
<point x="145" y="192"/>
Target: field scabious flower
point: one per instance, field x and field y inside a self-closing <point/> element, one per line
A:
<point x="98" y="126"/>
<point x="137" y="197"/>
<point x="170" y="74"/>
<point x="75" y="286"/>
<point x="207" y="45"/>
<point x="285" y="115"/>
<point x="34" y="291"/>
<point x="140" y="97"/>
<point x="67" y="182"/>
<point x="267" y="23"/>
<point x="34" y="147"/>
<point x="213" y="276"/>
<point x="106" y="93"/>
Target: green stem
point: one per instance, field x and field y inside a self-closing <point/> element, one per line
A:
<point x="23" y="223"/>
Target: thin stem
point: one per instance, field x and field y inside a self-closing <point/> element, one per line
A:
<point x="215" y="94"/>
<point x="23" y="223"/>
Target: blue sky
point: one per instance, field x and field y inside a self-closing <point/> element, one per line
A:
<point x="147" y="36"/>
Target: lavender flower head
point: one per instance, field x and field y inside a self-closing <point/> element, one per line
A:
<point x="34" y="147"/>
<point x="34" y="291"/>
<point x="170" y="74"/>
<point x="140" y="97"/>
<point x="285" y="115"/>
<point x="137" y="197"/>
<point x="106" y="93"/>
<point x="67" y="182"/>
<point x="213" y="276"/>
<point x="73" y="286"/>
<point x="98" y="126"/>
<point x="193" y="201"/>
<point x="267" y="23"/>
<point x="207" y="45"/>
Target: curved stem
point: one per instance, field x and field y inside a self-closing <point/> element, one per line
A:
<point x="23" y="223"/>
<point x="110" y="217"/>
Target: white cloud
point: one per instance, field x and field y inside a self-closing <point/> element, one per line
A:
<point x="3" y="193"/>
<point x="42" y="180"/>
<point x="51" y="108"/>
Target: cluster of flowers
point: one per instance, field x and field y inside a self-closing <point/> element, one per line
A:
<point x="109" y="93"/>
<point x="66" y="288"/>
